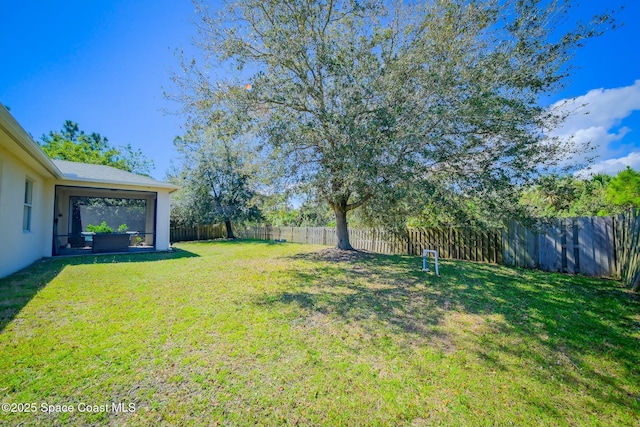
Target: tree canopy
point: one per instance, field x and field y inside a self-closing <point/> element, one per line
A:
<point x="394" y="105"/>
<point x="624" y="189"/>
<point x="75" y="145"/>
<point x="568" y="196"/>
<point x="217" y="177"/>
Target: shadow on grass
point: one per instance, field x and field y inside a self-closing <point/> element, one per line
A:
<point x="236" y="241"/>
<point x="19" y="288"/>
<point x="560" y="323"/>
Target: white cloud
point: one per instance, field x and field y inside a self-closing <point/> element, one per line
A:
<point x="612" y="166"/>
<point x="599" y="139"/>
<point x="599" y="108"/>
<point x="593" y="118"/>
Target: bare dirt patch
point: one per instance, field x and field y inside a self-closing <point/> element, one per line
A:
<point x="339" y="255"/>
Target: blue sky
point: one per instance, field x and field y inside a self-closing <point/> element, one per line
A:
<point x="103" y="64"/>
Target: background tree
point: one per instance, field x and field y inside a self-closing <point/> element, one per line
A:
<point x="624" y="189"/>
<point x="217" y="179"/>
<point x="278" y="211"/>
<point x="369" y="100"/>
<point x="556" y="196"/>
<point x="75" y="145"/>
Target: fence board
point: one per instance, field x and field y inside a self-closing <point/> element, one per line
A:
<point x="507" y="251"/>
<point x="627" y="238"/>
<point x="585" y="241"/>
<point x="570" y="245"/>
<point x="558" y="260"/>
<point x="555" y="260"/>
<point x="606" y="248"/>
<point x="546" y="243"/>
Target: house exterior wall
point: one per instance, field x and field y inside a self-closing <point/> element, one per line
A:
<point x="20" y="248"/>
<point x="150" y="221"/>
<point x="162" y="225"/>
<point x="21" y="159"/>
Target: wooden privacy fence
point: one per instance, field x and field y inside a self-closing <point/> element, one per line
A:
<point x="627" y="248"/>
<point x="462" y="244"/>
<point x="182" y="233"/>
<point x="593" y="246"/>
<point x="575" y="245"/>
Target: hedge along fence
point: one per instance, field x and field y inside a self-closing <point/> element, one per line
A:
<point x="593" y="246"/>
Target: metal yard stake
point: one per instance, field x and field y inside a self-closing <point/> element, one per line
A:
<point x="425" y="252"/>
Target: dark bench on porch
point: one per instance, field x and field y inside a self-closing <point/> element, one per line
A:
<point x="111" y="242"/>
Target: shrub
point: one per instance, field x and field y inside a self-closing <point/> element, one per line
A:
<point x="102" y="228"/>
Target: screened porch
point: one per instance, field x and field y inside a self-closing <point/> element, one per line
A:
<point x="99" y="220"/>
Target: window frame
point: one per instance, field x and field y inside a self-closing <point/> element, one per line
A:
<point x="27" y="212"/>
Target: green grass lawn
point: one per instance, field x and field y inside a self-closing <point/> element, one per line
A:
<point x="252" y="333"/>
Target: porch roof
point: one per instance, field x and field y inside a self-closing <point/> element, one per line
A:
<point x="83" y="172"/>
<point x="17" y="141"/>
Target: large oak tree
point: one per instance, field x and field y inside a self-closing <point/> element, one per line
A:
<point x="366" y="100"/>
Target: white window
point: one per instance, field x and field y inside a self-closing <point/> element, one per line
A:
<point x="28" y="198"/>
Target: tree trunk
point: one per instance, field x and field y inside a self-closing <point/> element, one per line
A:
<point x="227" y="223"/>
<point x="341" y="227"/>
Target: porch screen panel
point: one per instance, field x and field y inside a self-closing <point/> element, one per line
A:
<point x="114" y="211"/>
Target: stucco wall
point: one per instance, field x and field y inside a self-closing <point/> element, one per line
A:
<point x="20" y="248"/>
<point x="162" y="226"/>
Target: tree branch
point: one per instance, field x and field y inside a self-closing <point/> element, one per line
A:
<point x="360" y="202"/>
